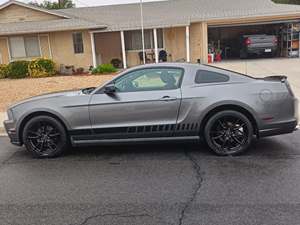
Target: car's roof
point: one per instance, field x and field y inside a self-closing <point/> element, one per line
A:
<point x="192" y="66"/>
<point x="183" y="65"/>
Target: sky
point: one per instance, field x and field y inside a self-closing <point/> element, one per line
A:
<point x="83" y="3"/>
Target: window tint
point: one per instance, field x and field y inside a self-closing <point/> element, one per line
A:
<point x="78" y="43"/>
<point x="204" y="76"/>
<point x="150" y="80"/>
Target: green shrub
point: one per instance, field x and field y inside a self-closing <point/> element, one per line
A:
<point x="18" y="69"/>
<point x="104" y="68"/>
<point x="41" y="68"/>
<point x="3" y="71"/>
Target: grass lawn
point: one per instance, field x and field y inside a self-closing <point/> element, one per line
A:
<point x="12" y="91"/>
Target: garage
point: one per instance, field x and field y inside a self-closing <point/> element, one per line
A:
<point x="257" y="40"/>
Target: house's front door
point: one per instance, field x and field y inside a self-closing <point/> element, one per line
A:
<point x="145" y="104"/>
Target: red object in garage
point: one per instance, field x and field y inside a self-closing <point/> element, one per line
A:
<point x="218" y="57"/>
<point x="210" y="58"/>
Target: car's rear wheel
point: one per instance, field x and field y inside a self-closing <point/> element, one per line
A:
<point x="45" y="137"/>
<point x="228" y="133"/>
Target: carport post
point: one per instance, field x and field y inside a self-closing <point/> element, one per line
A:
<point x="123" y="50"/>
<point x="155" y="45"/>
<point x="93" y="49"/>
<point x="299" y="45"/>
<point x="187" y="39"/>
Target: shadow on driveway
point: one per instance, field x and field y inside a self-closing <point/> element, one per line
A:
<point x="280" y="146"/>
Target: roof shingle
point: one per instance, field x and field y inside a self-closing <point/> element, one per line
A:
<point x="177" y="12"/>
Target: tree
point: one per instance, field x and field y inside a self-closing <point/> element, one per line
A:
<point x="60" y="4"/>
<point x="296" y="2"/>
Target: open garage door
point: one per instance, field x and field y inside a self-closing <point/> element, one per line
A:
<point x="254" y="40"/>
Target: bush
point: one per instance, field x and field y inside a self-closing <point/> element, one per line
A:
<point x="3" y="71"/>
<point x="104" y="68"/>
<point x="41" y="68"/>
<point x="18" y="69"/>
<point x="116" y="63"/>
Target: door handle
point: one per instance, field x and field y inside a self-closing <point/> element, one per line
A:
<point x="168" y="99"/>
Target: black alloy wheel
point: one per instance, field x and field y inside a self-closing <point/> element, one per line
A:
<point x="45" y="137"/>
<point x="228" y="133"/>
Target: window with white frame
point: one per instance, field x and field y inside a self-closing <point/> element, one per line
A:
<point x="78" y="43"/>
<point x="24" y="47"/>
<point x="133" y="39"/>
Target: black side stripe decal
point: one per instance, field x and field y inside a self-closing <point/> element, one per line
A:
<point x="138" y="129"/>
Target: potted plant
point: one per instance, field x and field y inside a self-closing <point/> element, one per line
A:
<point x="116" y="63"/>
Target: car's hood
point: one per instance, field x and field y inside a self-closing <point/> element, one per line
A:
<point x="50" y="95"/>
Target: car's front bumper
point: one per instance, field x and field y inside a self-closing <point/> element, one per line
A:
<point x="10" y="128"/>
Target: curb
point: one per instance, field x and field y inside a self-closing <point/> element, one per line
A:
<point x="2" y="130"/>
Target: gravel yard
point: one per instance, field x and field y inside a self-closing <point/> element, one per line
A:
<point x="12" y="91"/>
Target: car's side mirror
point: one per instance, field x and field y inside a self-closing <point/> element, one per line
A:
<point x="110" y="89"/>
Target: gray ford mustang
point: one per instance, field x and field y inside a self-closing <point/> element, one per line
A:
<point x="161" y="102"/>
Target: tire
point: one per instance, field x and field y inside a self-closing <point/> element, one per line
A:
<point x="45" y="137"/>
<point x="228" y="133"/>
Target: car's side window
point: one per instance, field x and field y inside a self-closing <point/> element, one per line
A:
<point x="150" y="80"/>
<point x="205" y="76"/>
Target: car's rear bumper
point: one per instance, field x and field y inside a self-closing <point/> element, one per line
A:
<point x="12" y="133"/>
<point x="261" y="50"/>
<point x="279" y="128"/>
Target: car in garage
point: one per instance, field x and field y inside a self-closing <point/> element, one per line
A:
<point x="154" y="103"/>
<point x="259" y="44"/>
<point x="278" y="39"/>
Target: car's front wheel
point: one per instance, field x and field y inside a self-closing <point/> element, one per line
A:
<point x="228" y="133"/>
<point x="45" y="137"/>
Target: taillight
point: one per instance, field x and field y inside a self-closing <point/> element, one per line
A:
<point x="275" y="40"/>
<point x="248" y="41"/>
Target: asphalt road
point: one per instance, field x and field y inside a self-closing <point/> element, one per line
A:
<point x="153" y="184"/>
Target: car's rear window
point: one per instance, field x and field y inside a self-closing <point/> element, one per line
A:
<point x="205" y="76"/>
<point x="231" y="71"/>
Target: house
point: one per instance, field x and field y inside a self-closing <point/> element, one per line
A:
<point x="185" y="29"/>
